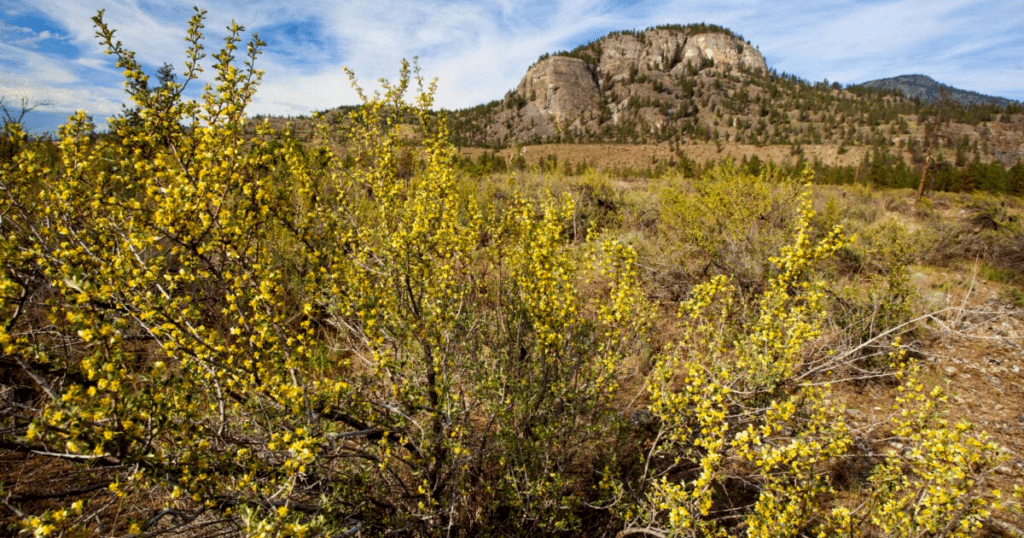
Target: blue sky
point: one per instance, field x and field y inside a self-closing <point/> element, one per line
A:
<point x="478" y="50"/>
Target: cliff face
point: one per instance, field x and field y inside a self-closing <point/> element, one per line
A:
<point x="724" y="50"/>
<point x="560" y="91"/>
<point x="599" y="84"/>
<point x="671" y="51"/>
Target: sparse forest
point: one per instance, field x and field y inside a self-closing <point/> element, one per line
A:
<point x="215" y="327"/>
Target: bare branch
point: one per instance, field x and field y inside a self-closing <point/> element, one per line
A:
<point x="11" y="114"/>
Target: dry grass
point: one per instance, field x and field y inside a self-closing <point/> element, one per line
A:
<point x="641" y="156"/>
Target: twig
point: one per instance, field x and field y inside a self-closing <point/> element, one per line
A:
<point x="639" y="530"/>
<point x="65" y="493"/>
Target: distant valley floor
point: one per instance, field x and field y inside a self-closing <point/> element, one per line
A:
<point x="646" y="156"/>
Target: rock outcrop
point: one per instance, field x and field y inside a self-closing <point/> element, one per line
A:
<point x="723" y="50"/>
<point x="672" y="51"/>
<point x="604" y="83"/>
<point x="559" y="91"/>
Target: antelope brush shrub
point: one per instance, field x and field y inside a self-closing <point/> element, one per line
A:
<point x="228" y="332"/>
<point x="749" y="433"/>
<point x="729" y="221"/>
<point x="237" y="334"/>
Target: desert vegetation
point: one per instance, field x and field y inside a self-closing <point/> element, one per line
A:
<point x="211" y="327"/>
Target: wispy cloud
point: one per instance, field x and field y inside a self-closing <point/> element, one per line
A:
<point x="479" y="50"/>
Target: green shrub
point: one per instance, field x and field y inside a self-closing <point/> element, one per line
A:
<point x="729" y="222"/>
<point x="885" y="251"/>
<point x="298" y="344"/>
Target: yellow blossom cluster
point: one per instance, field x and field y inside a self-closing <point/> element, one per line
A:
<point x="305" y="339"/>
<point x="735" y="402"/>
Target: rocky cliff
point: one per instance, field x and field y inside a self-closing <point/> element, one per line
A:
<point x="671" y="51"/>
<point x="560" y="92"/>
<point x="600" y="84"/>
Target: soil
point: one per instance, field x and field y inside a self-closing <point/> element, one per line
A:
<point x="978" y="353"/>
<point x="974" y="349"/>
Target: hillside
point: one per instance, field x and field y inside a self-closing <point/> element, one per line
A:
<point x="929" y="91"/>
<point x="680" y="85"/>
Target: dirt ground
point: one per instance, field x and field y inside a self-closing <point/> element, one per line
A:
<point x="972" y="347"/>
<point x="978" y="352"/>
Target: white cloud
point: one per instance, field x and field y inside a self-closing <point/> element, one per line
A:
<point x="20" y="36"/>
<point x="93" y="63"/>
<point x="17" y="63"/>
<point x="42" y="78"/>
<point x="479" y="50"/>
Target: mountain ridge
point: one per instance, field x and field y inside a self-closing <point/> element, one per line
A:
<point x="928" y="90"/>
<point x="680" y="85"/>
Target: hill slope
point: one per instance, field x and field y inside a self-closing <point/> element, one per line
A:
<point x="705" y="84"/>
<point x="929" y="91"/>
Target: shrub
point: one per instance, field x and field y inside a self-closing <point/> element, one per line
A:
<point x="729" y="222"/>
<point x="885" y="250"/>
<point x="750" y="433"/>
<point x="240" y="333"/>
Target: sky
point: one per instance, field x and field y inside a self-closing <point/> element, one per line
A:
<point x="480" y="49"/>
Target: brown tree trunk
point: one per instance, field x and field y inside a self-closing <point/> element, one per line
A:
<point x="924" y="173"/>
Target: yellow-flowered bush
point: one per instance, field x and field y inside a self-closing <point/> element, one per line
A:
<point x="750" y="432"/>
<point x="238" y="331"/>
<point x="932" y="485"/>
<point x="729" y="221"/>
<point x="230" y="332"/>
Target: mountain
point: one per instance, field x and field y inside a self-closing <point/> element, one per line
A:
<point x="929" y="91"/>
<point x="700" y="83"/>
<point x="678" y="84"/>
<point x="632" y="81"/>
